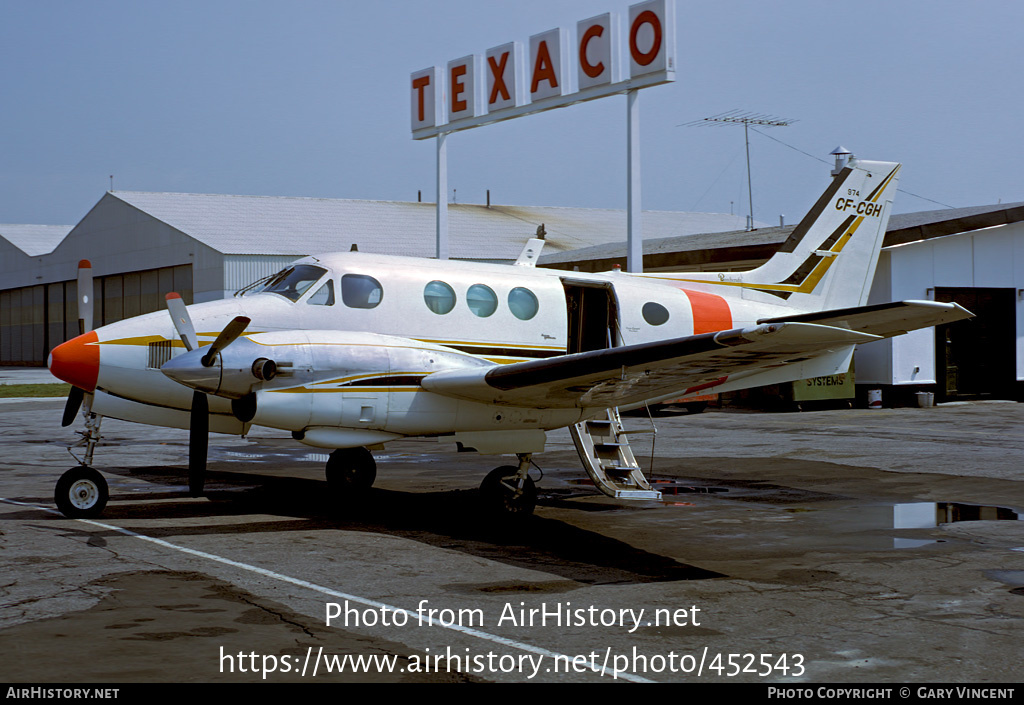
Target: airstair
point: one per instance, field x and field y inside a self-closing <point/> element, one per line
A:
<point x="603" y="445"/>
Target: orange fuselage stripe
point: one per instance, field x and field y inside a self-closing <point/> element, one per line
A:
<point x="711" y="313"/>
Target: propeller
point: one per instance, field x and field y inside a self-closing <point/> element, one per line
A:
<point x="74" y="403"/>
<point x="198" y="443"/>
<point x="227" y="336"/>
<point x="182" y="321"/>
<point x="77" y="395"/>
<point x="199" y="416"/>
<point x="84" y="296"/>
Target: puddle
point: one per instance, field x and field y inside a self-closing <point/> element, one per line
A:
<point x="925" y="515"/>
<point x="913" y="515"/>
<point x="666" y="487"/>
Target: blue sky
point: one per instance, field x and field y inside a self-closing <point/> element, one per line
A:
<point x="310" y="98"/>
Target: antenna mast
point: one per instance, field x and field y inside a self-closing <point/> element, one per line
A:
<point x="745" y="119"/>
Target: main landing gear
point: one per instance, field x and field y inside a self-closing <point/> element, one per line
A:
<point x="81" y="492"/>
<point x="508" y="490"/>
<point x="350" y="472"/>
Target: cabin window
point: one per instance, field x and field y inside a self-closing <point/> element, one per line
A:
<point x="655" y="314"/>
<point x="522" y="303"/>
<point x="293" y="282"/>
<point x="361" y="291"/>
<point x="439" y="297"/>
<point x="324" y="296"/>
<point x="481" y="300"/>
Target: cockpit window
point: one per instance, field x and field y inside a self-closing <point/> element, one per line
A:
<point x="291" y="282"/>
<point x="361" y="291"/>
<point x="324" y="296"/>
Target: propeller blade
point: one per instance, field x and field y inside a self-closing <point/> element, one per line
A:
<point x="227" y="336"/>
<point x="198" y="443"/>
<point x="74" y="403"/>
<point x="182" y="321"/>
<point x="84" y="296"/>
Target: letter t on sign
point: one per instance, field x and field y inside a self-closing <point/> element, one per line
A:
<point x="425" y="86"/>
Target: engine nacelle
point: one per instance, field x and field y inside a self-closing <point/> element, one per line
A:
<point x="332" y="379"/>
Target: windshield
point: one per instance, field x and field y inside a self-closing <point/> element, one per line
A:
<point x="291" y="282"/>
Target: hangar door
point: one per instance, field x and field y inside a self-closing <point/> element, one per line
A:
<point x="975" y="357"/>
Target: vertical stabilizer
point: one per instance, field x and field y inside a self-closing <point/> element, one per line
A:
<point x="829" y="260"/>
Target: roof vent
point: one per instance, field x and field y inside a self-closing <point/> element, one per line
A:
<point x="842" y="155"/>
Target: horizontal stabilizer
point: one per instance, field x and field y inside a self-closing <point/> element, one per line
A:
<point x="635" y="373"/>
<point x="884" y="320"/>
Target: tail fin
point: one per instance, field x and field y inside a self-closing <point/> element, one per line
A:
<point x="829" y="260"/>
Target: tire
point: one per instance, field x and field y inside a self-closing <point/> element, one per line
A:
<point x="350" y="470"/>
<point x="81" y="493"/>
<point x="500" y="499"/>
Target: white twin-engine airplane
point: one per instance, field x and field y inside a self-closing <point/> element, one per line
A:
<point x="351" y="350"/>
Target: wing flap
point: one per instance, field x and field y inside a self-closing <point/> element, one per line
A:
<point x="884" y="320"/>
<point x="634" y="373"/>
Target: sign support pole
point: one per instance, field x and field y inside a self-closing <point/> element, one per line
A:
<point x="634" y="214"/>
<point x="442" y="196"/>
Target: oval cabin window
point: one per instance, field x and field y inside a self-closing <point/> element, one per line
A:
<point x="523" y="303"/>
<point x="439" y="297"/>
<point x="481" y="300"/>
<point x="655" y="314"/>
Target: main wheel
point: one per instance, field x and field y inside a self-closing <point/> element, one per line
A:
<point x="501" y="496"/>
<point x="81" y="492"/>
<point x="351" y="470"/>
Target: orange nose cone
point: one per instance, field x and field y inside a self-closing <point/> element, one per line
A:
<point x="77" y="361"/>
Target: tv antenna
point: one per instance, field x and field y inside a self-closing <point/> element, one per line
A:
<point x="738" y="117"/>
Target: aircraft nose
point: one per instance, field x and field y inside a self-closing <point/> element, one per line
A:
<point x="77" y="361"/>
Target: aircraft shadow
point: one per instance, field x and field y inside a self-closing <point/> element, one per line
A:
<point x="448" y="519"/>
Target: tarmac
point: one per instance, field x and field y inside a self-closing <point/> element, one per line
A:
<point x="853" y="546"/>
<point x="27" y="375"/>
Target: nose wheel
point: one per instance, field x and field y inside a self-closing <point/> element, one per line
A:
<point x="81" y="493"/>
<point x="508" y="491"/>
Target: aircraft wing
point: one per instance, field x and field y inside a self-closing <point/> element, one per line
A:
<point x="634" y="373"/>
<point x="885" y="320"/>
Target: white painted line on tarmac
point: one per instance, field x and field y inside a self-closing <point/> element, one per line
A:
<point x="469" y="631"/>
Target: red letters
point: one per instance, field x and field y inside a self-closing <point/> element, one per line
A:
<point x="588" y="68"/>
<point x="644" y="58"/>
<point x="498" y="73"/>
<point x="543" y="69"/>
<point x="418" y="85"/>
<point x="457" y="88"/>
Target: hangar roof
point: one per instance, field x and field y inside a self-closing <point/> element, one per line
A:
<point x="274" y="225"/>
<point x="760" y="244"/>
<point x="35" y="240"/>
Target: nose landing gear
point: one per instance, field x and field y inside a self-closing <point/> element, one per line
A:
<point x="508" y="490"/>
<point x="81" y="492"/>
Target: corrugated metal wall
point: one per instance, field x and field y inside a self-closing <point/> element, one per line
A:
<point x="241" y="270"/>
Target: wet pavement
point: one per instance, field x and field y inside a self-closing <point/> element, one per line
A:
<point x="850" y="546"/>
